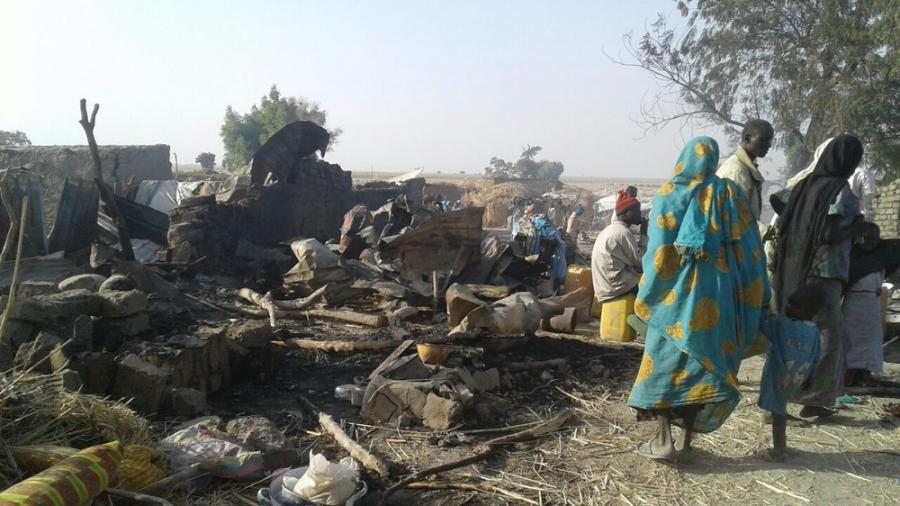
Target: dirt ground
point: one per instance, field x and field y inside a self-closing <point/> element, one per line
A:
<point x="851" y="459"/>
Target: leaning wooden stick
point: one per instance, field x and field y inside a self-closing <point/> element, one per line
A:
<point x="11" y="300"/>
<point x="484" y="450"/>
<point x="108" y="195"/>
<point x="13" y="220"/>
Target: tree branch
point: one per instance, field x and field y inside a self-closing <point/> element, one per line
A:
<point x="108" y="196"/>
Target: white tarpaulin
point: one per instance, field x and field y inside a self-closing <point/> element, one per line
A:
<point x="406" y="177"/>
<point x="159" y="195"/>
<point x="165" y="195"/>
<point x="608" y="203"/>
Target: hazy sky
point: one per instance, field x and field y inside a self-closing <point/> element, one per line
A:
<point x="441" y="85"/>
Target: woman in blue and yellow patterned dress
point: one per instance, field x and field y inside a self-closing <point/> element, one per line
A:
<point x="701" y="295"/>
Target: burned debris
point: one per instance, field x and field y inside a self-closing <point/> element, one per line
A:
<point x="167" y="295"/>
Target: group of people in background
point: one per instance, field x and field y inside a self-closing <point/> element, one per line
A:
<point x="712" y="296"/>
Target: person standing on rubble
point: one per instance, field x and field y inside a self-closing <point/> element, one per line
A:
<point x="616" y="257"/>
<point x="701" y="296"/>
<point x="741" y="167"/>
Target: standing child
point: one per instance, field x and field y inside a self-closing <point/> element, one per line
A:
<point x="791" y="361"/>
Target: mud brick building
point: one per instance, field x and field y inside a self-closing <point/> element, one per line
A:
<point x="887" y="210"/>
<point x="53" y="164"/>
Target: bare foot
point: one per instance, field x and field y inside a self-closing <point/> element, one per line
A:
<point x="652" y="450"/>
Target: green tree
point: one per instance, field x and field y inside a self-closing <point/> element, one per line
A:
<point x="206" y="160"/>
<point x="529" y="152"/>
<point x="812" y="68"/>
<point x="498" y="167"/>
<point x="526" y="167"/>
<point x="243" y="134"/>
<point x="14" y="138"/>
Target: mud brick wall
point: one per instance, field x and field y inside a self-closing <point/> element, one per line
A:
<point x="374" y="197"/>
<point x="264" y="215"/>
<point x="887" y="210"/>
<point x="55" y="163"/>
<point x="314" y="206"/>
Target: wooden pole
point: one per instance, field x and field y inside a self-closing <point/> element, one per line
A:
<point x="13" y="220"/>
<point x="108" y="196"/>
<point x="15" y="276"/>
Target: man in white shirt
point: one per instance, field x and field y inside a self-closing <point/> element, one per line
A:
<point x="616" y="257"/>
<point x="862" y="184"/>
<point x="741" y="167"/>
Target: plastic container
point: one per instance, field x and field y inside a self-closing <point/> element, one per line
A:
<point x="277" y="495"/>
<point x="435" y="354"/>
<point x="578" y="276"/>
<point x="614" y="319"/>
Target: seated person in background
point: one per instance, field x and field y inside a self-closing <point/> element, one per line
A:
<point x="616" y="257"/>
<point x="791" y="361"/>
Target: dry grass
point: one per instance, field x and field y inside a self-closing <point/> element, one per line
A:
<point x="591" y="462"/>
<point x="35" y="409"/>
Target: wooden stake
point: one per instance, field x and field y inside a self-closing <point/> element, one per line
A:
<point x="105" y="192"/>
<point x="13" y="221"/>
<point x="10" y="302"/>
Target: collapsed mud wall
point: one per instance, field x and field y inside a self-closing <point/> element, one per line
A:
<point x="887" y="210"/>
<point x="376" y="194"/>
<point x="55" y="163"/>
<point x="313" y="206"/>
<point x="448" y="191"/>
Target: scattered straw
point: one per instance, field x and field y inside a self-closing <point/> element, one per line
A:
<point x="36" y="409"/>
